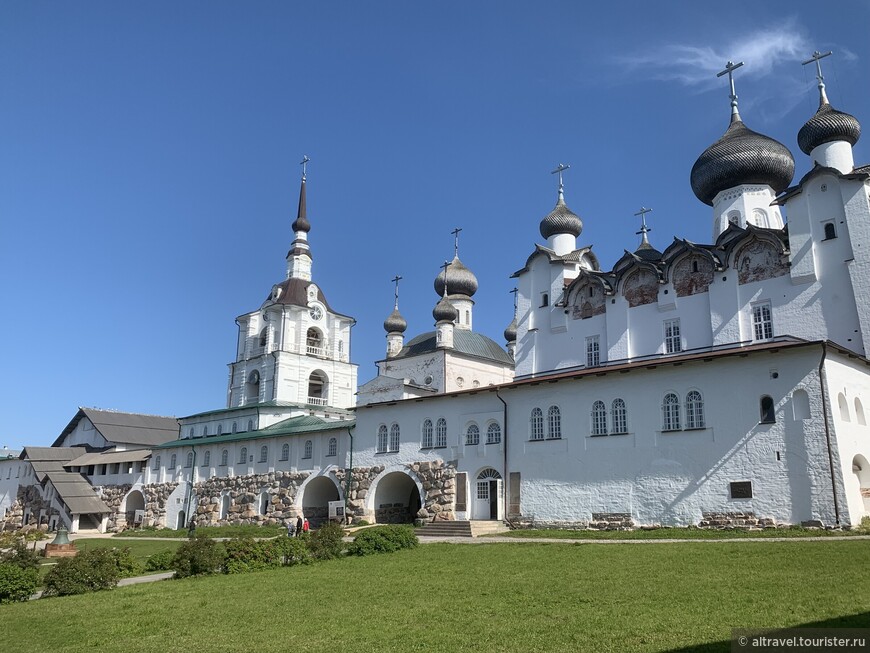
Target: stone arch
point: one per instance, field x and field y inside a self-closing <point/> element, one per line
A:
<point x="395" y="496"/>
<point x="314" y="496"/>
<point x="641" y="287"/>
<point x="134" y="501"/>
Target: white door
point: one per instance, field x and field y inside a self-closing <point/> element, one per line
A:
<point x="482" y="499"/>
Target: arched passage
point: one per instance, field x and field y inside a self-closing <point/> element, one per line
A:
<point x="135" y="501"/>
<point x="318" y="388"/>
<point x="397" y="499"/>
<point x="316" y="495"/>
<point x="861" y="469"/>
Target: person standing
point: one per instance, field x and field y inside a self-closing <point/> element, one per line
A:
<point x="291" y="528"/>
<point x="306" y="526"/>
<point x="299" y="525"/>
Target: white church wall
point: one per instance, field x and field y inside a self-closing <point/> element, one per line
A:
<point x="13" y="473"/>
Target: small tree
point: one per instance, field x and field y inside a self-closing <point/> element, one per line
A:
<point x="198" y="557"/>
<point x="90" y="571"/>
<point x="327" y="542"/>
<point x="21" y="556"/>
<point x="17" y="583"/>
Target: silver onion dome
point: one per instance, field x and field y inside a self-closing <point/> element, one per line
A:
<point x="741" y="156"/>
<point x="395" y="323"/>
<point x="510" y="333"/>
<point x="561" y="220"/>
<point x="826" y="126"/>
<point x="460" y="280"/>
<point x="445" y="311"/>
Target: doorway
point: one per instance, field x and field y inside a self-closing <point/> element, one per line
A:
<point x="488" y="495"/>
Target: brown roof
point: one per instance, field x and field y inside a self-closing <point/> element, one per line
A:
<point x="126" y="428"/>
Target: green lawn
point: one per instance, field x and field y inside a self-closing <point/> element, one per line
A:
<point x="140" y="549"/>
<point x="484" y="597"/>
<point x="246" y="530"/>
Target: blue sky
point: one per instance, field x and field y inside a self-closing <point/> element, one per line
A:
<point x="149" y="163"/>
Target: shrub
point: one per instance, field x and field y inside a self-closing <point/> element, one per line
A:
<point x="247" y="554"/>
<point x="294" y="551"/>
<point x="90" y="571"/>
<point x="864" y="527"/>
<point x="326" y="542"/>
<point x="160" y="561"/>
<point x="125" y="562"/>
<point x="20" y="556"/>
<point x="199" y="556"/>
<point x="382" y="539"/>
<point x="17" y="583"/>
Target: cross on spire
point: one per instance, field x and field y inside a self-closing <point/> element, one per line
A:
<point x="455" y="233"/>
<point x="643" y="228"/>
<point x="444" y="266"/>
<point x="558" y="171"/>
<point x="730" y="67"/>
<point x="514" y="292"/>
<point x="817" y="57"/>
<point x="396" y="280"/>
<point x="304" y="161"/>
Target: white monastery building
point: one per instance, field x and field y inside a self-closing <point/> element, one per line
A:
<point x="707" y="384"/>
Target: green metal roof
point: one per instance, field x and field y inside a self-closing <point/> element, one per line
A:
<point x="465" y="342"/>
<point x="294" y="426"/>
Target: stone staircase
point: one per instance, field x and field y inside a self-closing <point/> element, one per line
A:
<point x="460" y="528"/>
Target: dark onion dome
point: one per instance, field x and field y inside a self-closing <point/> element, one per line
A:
<point x="648" y="253"/>
<point x="561" y="220"/>
<point x="741" y="156"/>
<point x="510" y="333"/>
<point x="395" y="323"/>
<point x="301" y="222"/>
<point x="445" y="311"/>
<point x="826" y="126"/>
<point x="460" y="280"/>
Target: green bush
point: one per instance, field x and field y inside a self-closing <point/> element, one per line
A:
<point x="382" y="539"/>
<point x="90" y="571"/>
<point x="197" y="557"/>
<point x="20" y="556"/>
<point x="127" y="564"/>
<point x="160" y="561"/>
<point x="17" y="583"/>
<point x="294" y="551"/>
<point x="247" y="554"/>
<point x="326" y="542"/>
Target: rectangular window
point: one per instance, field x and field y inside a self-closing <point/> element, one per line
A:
<point x="593" y="352"/>
<point x="673" y="342"/>
<point x="762" y="322"/>
<point x="483" y="490"/>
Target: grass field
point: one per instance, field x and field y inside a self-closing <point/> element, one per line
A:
<point x="679" y="534"/>
<point x="211" y="531"/>
<point x="485" y="597"/>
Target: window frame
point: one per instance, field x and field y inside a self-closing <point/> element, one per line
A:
<point x="395" y="438"/>
<point x="695" y="410"/>
<point x="493" y="433"/>
<point x="427" y="439"/>
<point x="598" y="417"/>
<point x="441" y="433"/>
<point x="671" y="412"/>
<point x="383" y="439"/>
<point x="554" y="423"/>
<point x="472" y="435"/>
<point x="618" y="417"/>
<point x="762" y="321"/>
<point x="536" y="424"/>
<point x="673" y="337"/>
<point x="593" y="351"/>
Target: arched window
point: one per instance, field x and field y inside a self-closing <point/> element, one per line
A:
<point x="243" y="456"/>
<point x="191" y="432"/>
<point x="671" y="412"/>
<point x="800" y="404"/>
<point x="206" y="459"/>
<point x="189" y="463"/>
<point x="599" y="418"/>
<point x="172" y="461"/>
<point x="264" y="335"/>
<point x="426" y="440"/>
<point x="441" y="432"/>
<point x="264" y="453"/>
<point x="472" y="435"/>
<point x="220" y="429"/>
<point x="830" y="231"/>
<point x="493" y="433"/>
<point x="235" y="427"/>
<point x="156" y="467"/>
<point x="314" y="341"/>
<point x="694" y="410"/>
<point x="536" y="424"/>
<point x="394" y="437"/>
<point x="554" y="423"/>
<point x="285" y="452"/>
<point x="618" y="421"/>
<point x="382" y="439"/>
<point x="250" y="425"/>
<point x="859" y="412"/>
<point x="844" y="407"/>
<point x="317" y="393"/>
<point x="308" y="449"/>
<point x="225" y="458"/>
<point x="332" y="448"/>
<point x="768" y="415"/>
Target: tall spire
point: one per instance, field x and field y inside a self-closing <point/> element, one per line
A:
<point x="558" y="171"/>
<point x="817" y="57"/>
<point x="301" y="223"/>
<point x="299" y="256"/>
<point x="644" y="230"/>
<point x="730" y="67"/>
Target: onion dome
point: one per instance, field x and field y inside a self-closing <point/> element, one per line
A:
<point x="444" y="311"/>
<point x="301" y="222"/>
<point x="460" y="280"/>
<point x="395" y="323"/>
<point x="510" y="333"/>
<point x="561" y="220"/>
<point x="648" y="253"/>
<point x="741" y="156"/>
<point x="826" y="126"/>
